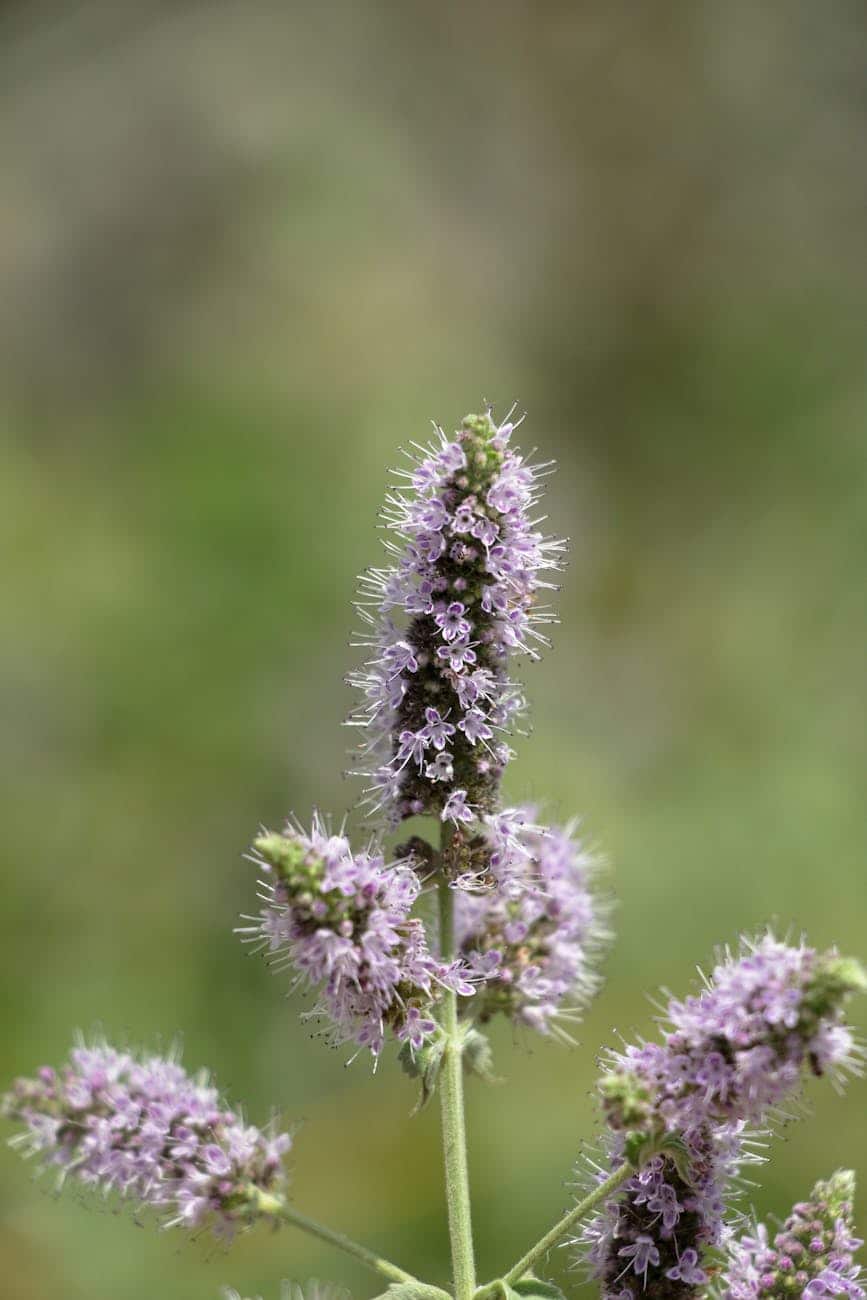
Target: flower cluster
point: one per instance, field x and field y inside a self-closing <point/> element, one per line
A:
<point x="652" y="1238"/>
<point x="533" y="929"/>
<point x="737" y="1048"/>
<point x="460" y="598"/>
<point x="342" y="921"/>
<point x="142" y="1127"/>
<point x="812" y="1255"/>
<point x="732" y="1054"/>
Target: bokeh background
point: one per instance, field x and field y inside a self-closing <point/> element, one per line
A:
<point x="246" y="250"/>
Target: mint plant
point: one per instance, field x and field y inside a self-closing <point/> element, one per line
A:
<point x="419" y="946"/>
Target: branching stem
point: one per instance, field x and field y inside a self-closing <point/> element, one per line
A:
<point x="596" y="1197"/>
<point x="276" y="1208"/>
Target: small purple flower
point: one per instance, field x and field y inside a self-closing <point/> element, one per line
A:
<point x="474" y="726"/>
<point x="399" y="658"/>
<point x="457" y="654"/>
<point x="441" y="768"/>
<point x="687" y="1269"/>
<point x="641" y="1253"/>
<point x="451" y="622"/>
<point x="456" y="808"/>
<point x="413" y="746"/>
<point x="437" y="731"/>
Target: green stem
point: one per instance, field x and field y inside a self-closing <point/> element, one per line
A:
<point x="451" y="1086"/>
<point x="276" y="1208"/>
<point x="599" y="1194"/>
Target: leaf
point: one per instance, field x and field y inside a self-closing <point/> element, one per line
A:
<point x="424" y="1064"/>
<point x="413" y="1291"/>
<point x="533" y="1288"/>
<point x="529" y="1288"/>
<point x="477" y="1056"/>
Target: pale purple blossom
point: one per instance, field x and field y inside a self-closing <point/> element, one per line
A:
<point x="140" y="1126"/>
<point x="641" y="1253"/>
<point x="541" y="915"/>
<point x="342" y="922"/>
<point x="461" y="596"/>
<point x="456" y="808"/>
<point x="811" y="1255"/>
<point x="687" y="1269"/>
<point x="728" y="1057"/>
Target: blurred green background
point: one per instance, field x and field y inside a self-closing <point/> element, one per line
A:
<point x="246" y="250"/>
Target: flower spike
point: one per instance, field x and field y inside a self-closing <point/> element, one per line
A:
<point x="342" y="921"/>
<point x="443" y="621"/>
<point x="142" y="1127"/>
<point x="679" y="1110"/>
<point x="811" y="1256"/>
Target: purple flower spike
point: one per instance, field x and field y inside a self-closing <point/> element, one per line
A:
<point x="143" y="1128"/>
<point x="460" y="598"/>
<point x="534" y="928"/>
<point x="729" y="1056"/>
<point x="341" y="921"/>
<point x="812" y="1255"/>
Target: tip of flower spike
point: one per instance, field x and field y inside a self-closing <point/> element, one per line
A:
<point x="836" y="978"/>
<point x="625" y="1099"/>
<point x="837" y="1191"/>
<point x="844" y="974"/>
<point x="483" y="425"/>
<point x="278" y="850"/>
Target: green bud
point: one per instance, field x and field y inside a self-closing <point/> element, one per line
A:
<point x="843" y="975"/>
<point x="626" y="1100"/>
<point x="838" y="1191"/>
<point x="479" y="424"/>
<point x="281" y="852"/>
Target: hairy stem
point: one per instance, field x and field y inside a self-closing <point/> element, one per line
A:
<point x="596" y="1197"/>
<point x="451" y="1086"/>
<point x="276" y="1208"/>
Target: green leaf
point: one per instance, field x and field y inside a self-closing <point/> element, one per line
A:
<point x="533" y="1288"/>
<point x="478" y="1058"/>
<point x="423" y="1064"/>
<point x="413" y="1291"/>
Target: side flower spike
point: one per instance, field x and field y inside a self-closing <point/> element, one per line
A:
<point x="460" y="598"/>
<point x="535" y="931"/>
<point x="811" y="1256"/>
<point x="341" y="921"/>
<point x="140" y="1126"/>
<point x="679" y="1109"/>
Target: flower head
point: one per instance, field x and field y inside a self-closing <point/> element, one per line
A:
<point x="534" y="931"/>
<point x="460" y="598"/>
<point x="812" y="1255"/>
<point x="738" y="1048"/>
<point x="342" y="921"/>
<point x="730" y="1055"/>
<point x="142" y="1127"/>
